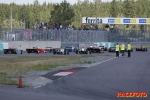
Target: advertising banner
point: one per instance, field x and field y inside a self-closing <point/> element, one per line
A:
<point x="97" y="20"/>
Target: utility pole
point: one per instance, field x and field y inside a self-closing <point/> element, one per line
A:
<point x="11" y="19"/>
<point x="24" y="24"/>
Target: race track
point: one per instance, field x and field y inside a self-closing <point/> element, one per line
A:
<point x="32" y="54"/>
<point x="100" y="82"/>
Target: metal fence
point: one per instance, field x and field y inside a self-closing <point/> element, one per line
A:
<point x="128" y="36"/>
<point x="75" y="36"/>
<point x="65" y="36"/>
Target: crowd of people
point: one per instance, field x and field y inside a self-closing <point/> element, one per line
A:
<point x="59" y="26"/>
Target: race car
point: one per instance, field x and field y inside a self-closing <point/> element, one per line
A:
<point x="141" y="48"/>
<point x="49" y="49"/>
<point x="83" y="51"/>
<point x="12" y="51"/>
<point x="60" y="51"/>
<point x="70" y="48"/>
<point x="94" y="49"/>
<point x="36" y="50"/>
<point x="103" y="48"/>
<point x="111" y="49"/>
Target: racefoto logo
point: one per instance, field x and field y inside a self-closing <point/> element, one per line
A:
<point x="131" y="94"/>
<point x="93" y="20"/>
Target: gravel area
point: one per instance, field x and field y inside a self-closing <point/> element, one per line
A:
<point x="35" y="79"/>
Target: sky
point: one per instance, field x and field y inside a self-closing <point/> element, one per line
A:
<point x="41" y="1"/>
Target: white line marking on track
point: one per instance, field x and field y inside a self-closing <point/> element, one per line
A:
<point x="62" y="73"/>
<point x="103" y="61"/>
<point x="42" y="85"/>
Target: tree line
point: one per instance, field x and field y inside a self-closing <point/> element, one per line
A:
<point x="30" y="15"/>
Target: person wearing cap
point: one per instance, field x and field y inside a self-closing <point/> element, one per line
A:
<point x="129" y="49"/>
<point x="117" y="50"/>
<point x="122" y="49"/>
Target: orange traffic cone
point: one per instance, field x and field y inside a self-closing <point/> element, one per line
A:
<point x="20" y="83"/>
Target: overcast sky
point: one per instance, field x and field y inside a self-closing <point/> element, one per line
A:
<point x="41" y="1"/>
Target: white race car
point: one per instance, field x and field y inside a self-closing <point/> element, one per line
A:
<point x="60" y="51"/>
<point x="83" y="51"/>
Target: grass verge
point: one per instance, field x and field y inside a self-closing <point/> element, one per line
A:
<point x="12" y="67"/>
<point x="6" y="79"/>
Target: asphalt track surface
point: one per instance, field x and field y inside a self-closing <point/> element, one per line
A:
<point x="43" y="54"/>
<point x="33" y="54"/>
<point x="100" y="82"/>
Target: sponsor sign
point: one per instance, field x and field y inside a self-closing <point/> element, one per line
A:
<point x="96" y="20"/>
<point x="91" y="20"/>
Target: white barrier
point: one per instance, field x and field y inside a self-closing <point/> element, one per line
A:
<point x="23" y="45"/>
<point x="3" y="46"/>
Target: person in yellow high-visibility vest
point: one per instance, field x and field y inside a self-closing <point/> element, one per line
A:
<point x="129" y="49"/>
<point x="117" y="50"/>
<point x="123" y="49"/>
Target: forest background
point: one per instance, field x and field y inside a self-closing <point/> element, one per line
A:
<point x="30" y="15"/>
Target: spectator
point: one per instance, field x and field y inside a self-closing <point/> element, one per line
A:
<point x="55" y="25"/>
<point x="13" y="39"/>
<point x="60" y="26"/>
<point x="96" y="27"/>
<point x="81" y="27"/>
<point x="91" y="27"/>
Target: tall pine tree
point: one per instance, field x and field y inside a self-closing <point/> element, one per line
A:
<point x="114" y="9"/>
<point x="127" y="8"/>
<point x="2" y="18"/>
<point x="62" y="13"/>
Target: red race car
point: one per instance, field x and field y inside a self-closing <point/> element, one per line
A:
<point x="36" y="50"/>
<point x="141" y="48"/>
<point x="103" y="48"/>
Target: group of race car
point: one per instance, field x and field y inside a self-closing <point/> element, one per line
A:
<point x="62" y="50"/>
<point x="67" y="50"/>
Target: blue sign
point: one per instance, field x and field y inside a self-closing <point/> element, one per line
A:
<point x="142" y="20"/>
<point x="111" y="20"/>
<point x="126" y="20"/>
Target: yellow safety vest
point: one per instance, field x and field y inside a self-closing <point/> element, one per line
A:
<point x="117" y="47"/>
<point x="129" y="46"/>
<point x="122" y="47"/>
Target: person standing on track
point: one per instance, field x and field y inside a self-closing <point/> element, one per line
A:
<point x="117" y="50"/>
<point x="123" y="49"/>
<point x="129" y="49"/>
